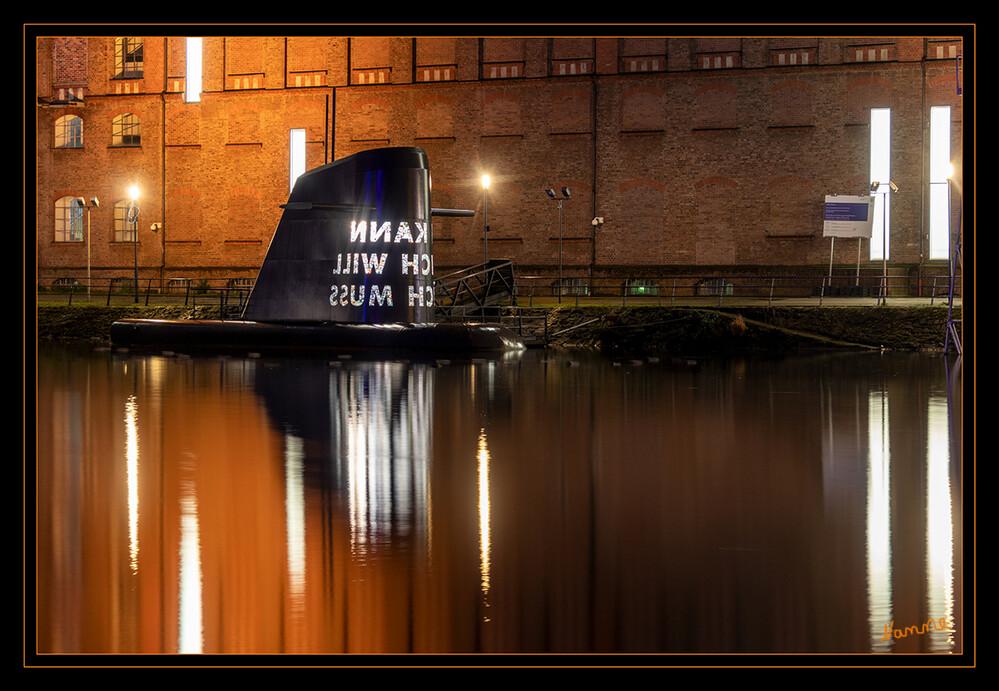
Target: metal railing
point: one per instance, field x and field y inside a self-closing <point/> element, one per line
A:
<point x="716" y="290"/>
<point x="229" y="294"/>
<point x="530" y="323"/>
<point x="497" y="283"/>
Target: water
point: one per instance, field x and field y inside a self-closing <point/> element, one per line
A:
<point x="541" y="503"/>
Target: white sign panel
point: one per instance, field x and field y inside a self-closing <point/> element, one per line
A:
<point x="848" y="216"/>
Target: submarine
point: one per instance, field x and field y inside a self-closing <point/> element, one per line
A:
<point x="349" y="267"/>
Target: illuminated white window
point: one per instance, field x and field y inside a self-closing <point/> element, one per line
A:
<point x="881" y="173"/>
<point x="296" y="159"/>
<point x="192" y="92"/>
<point x="940" y="172"/>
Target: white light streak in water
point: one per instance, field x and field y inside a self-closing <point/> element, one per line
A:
<point x="939" y="528"/>
<point x="132" y="475"/>
<point x="190" y="635"/>
<point x="384" y="414"/>
<point x="484" y="509"/>
<point x="295" y="522"/>
<point x="879" y="522"/>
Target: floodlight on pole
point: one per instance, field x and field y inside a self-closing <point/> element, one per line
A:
<point x="884" y="234"/>
<point x="565" y="195"/>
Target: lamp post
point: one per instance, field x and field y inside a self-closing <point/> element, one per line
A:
<point x="485" y="218"/>
<point x="133" y="218"/>
<point x="565" y="195"/>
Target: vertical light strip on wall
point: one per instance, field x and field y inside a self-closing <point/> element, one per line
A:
<point x="296" y="160"/>
<point x="940" y="171"/>
<point x="881" y="173"/>
<point x="192" y="92"/>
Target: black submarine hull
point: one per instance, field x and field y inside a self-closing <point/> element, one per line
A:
<point x="349" y="267"/>
<point x="332" y="337"/>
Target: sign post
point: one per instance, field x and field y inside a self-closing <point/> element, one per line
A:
<point x="848" y="216"/>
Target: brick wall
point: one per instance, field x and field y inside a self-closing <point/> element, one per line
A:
<point x="688" y="166"/>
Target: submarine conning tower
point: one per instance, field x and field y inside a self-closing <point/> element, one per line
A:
<point x="354" y="245"/>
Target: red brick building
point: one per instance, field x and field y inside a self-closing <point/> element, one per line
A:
<point x="682" y="154"/>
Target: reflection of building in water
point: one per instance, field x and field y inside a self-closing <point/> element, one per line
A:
<point x="896" y="442"/>
<point x="879" y="553"/>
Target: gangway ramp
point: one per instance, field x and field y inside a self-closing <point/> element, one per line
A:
<point x="486" y="293"/>
<point x="475" y="287"/>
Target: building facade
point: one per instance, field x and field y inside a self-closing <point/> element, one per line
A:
<point x="680" y="154"/>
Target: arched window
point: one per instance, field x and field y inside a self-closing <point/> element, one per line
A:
<point x="69" y="132"/>
<point x="125" y="130"/>
<point x="69" y="219"/>
<point x="128" y="58"/>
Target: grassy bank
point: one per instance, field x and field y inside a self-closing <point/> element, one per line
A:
<point x="626" y="330"/>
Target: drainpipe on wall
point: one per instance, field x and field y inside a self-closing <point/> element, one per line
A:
<point x="593" y="181"/>
<point x="162" y="225"/>
<point x="163" y="128"/>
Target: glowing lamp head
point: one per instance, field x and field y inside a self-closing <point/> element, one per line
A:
<point x="485" y="182"/>
<point x="133" y="192"/>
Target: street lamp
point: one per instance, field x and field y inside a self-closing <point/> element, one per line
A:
<point x="565" y="195"/>
<point x="485" y="218"/>
<point x="133" y="218"/>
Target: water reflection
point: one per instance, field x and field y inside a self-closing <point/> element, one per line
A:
<point x="539" y="504"/>
<point x="484" y="545"/>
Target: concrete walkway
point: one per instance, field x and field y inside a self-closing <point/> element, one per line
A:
<point x="733" y="302"/>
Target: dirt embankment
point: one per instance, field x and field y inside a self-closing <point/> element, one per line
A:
<point x="676" y="331"/>
<point x="627" y="331"/>
<point x="93" y="322"/>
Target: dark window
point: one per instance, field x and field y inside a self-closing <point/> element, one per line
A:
<point x="128" y="58"/>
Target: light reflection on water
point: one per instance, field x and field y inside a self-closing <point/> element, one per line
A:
<point x="540" y="503"/>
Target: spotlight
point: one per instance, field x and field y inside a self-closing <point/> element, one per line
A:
<point x="550" y="192"/>
<point x="565" y="192"/>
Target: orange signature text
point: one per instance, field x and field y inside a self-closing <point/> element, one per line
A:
<point x="892" y="632"/>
